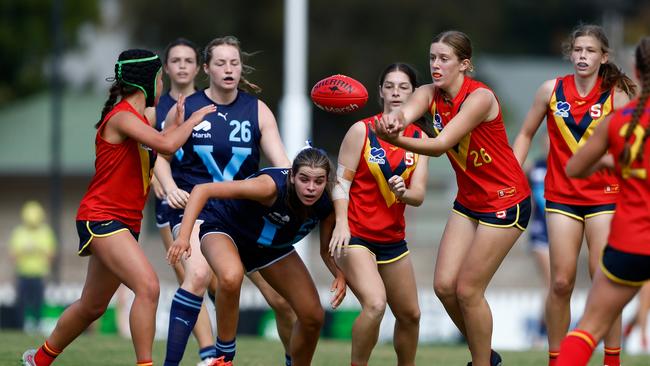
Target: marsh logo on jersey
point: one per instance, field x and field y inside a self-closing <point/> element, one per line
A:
<point x="612" y="188"/>
<point x="377" y="155"/>
<point x="562" y="109"/>
<point x="278" y="218"/>
<point x="506" y="192"/>
<point x="203" y="126"/>
<point x="437" y="122"/>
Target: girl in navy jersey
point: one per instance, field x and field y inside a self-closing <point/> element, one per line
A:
<point x="625" y="260"/>
<point x="251" y="227"/>
<point x="492" y="207"/>
<point x="225" y="146"/>
<point x="181" y="64"/>
<point x="376" y="263"/>
<point x="574" y="105"/>
<point x="108" y="220"/>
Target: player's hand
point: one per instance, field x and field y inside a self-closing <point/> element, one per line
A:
<point x="180" y="110"/>
<point x="384" y="130"/>
<point x="177" y="198"/>
<point x="338" y="290"/>
<point x="606" y="162"/>
<point x="198" y="116"/>
<point x="158" y="189"/>
<point x="177" y="249"/>
<point x="340" y="240"/>
<point x="397" y="185"/>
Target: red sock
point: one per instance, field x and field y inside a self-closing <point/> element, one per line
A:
<point x="46" y="355"/>
<point x="612" y="357"/>
<point x="552" y="357"/>
<point x="576" y="349"/>
<point x="144" y="363"/>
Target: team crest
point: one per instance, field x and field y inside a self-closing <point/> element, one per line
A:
<point x="377" y="155"/>
<point x="562" y="109"/>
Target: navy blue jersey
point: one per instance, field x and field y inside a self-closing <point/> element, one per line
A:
<point x="275" y="226"/>
<point x="224" y="147"/>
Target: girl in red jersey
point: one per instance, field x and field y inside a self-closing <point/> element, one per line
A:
<point x="625" y="261"/>
<point x="376" y="179"/>
<point x="492" y="207"/>
<point x="574" y="105"/>
<point x="108" y="220"/>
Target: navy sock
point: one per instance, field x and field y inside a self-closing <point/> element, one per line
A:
<point x="182" y="317"/>
<point x="206" y="352"/>
<point x="226" y="349"/>
<point x="287" y="360"/>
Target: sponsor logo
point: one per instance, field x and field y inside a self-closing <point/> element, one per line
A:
<point x="506" y="192"/>
<point x="612" y="188"/>
<point x="377" y="155"/>
<point x="186" y="322"/>
<point x="348" y="108"/>
<point x="203" y="126"/>
<point x="501" y="214"/>
<point x="223" y="115"/>
<point x="279" y="218"/>
<point x="106" y="223"/>
<point x="437" y="122"/>
<point x="562" y="109"/>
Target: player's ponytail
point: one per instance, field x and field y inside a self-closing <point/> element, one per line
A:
<point x="643" y="66"/>
<point x="113" y="93"/>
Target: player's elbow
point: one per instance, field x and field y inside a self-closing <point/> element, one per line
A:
<point x="573" y="170"/>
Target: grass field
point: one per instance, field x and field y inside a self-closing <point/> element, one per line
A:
<point x="90" y="350"/>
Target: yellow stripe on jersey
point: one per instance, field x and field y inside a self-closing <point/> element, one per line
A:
<point x="376" y="172"/>
<point x="564" y="129"/>
<point x="145" y="167"/>
<point x="458" y="152"/>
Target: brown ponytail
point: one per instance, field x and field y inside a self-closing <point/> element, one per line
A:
<point x="643" y="66"/>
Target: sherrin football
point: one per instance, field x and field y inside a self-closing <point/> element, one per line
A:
<point x="339" y="94"/>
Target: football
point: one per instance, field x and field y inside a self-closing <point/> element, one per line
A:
<point x="339" y="94"/>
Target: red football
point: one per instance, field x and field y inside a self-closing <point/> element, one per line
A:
<point x="339" y="94"/>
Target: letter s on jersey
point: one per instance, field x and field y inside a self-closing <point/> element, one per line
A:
<point x="596" y="111"/>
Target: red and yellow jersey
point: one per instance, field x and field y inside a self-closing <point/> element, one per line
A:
<point x="630" y="230"/>
<point x="374" y="213"/>
<point x="119" y="188"/>
<point x="571" y="120"/>
<point x="488" y="175"/>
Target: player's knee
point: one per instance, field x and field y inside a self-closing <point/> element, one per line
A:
<point x="444" y="290"/>
<point x="148" y="290"/>
<point x="230" y="282"/>
<point x="313" y="320"/>
<point x="468" y="295"/>
<point x="375" y="308"/>
<point x="409" y="317"/>
<point x="92" y="311"/>
<point x="562" y="287"/>
<point x="198" y="278"/>
<point x="281" y="306"/>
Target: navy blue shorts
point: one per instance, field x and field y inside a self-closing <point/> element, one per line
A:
<point x="384" y="253"/>
<point x="517" y="215"/>
<point x="253" y="256"/>
<point x="580" y="212"/>
<point x="625" y="268"/>
<point x="538" y="232"/>
<point x="163" y="212"/>
<point x="88" y="230"/>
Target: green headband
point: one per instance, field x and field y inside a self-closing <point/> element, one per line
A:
<point x="135" y="60"/>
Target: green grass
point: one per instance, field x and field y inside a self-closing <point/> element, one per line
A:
<point x="91" y="350"/>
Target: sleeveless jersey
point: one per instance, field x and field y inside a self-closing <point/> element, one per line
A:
<point x="488" y="175"/>
<point x="571" y="119"/>
<point x="275" y="226"/>
<point x="630" y="230"/>
<point x="119" y="188"/>
<point x="374" y="212"/>
<point x="224" y="147"/>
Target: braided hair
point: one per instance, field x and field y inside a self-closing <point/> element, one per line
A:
<point x="642" y="58"/>
<point x="135" y="70"/>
